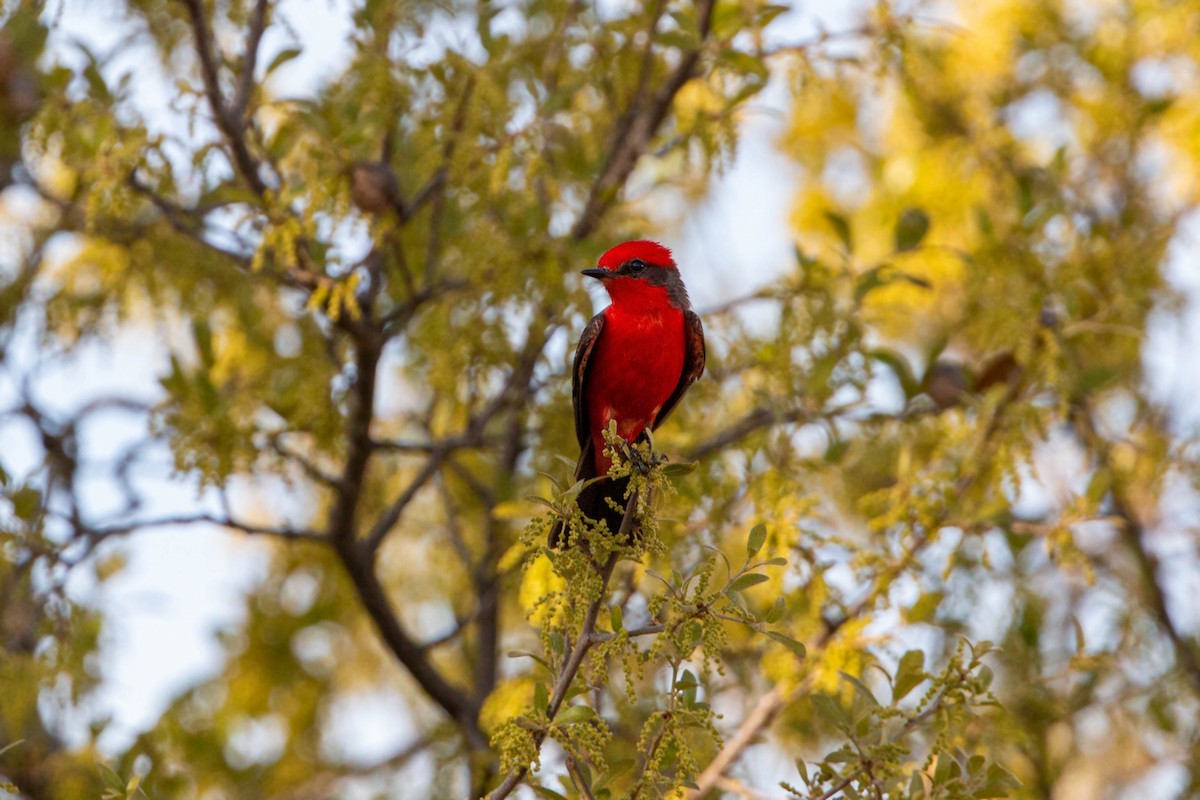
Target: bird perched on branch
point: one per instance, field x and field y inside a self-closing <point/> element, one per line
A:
<point x="635" y="360"/>
<point x="375" y="189"/>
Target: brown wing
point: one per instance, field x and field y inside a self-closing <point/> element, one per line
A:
<point x="693" y="363"/>
<point x="587" y="341"/>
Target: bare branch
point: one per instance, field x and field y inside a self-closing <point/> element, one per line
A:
<point x="632" y="134"/>
<point x="229" y="123"/>
<point x="756" y="721"/>
<point x="756" y="420"/>
<point x="314" y="472"/>
<point x="456" y="702"/>
<point x="99" y="533"/>
<point x="389" y="518"/>
<point x="258" y="24"/>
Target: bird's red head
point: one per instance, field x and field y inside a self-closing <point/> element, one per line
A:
<point x="641" y="275"/>
<point x="652" y="253"/>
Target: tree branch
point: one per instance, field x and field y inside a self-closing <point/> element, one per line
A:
<point x="100" y="533"/>
<point x="258" y="25"/>
<point x="756" y="721"/>
<point x="583" y="643"/>
<point x="453" y="700"/>
<point x="231" y="125"/>
<point x="632" y="134"/>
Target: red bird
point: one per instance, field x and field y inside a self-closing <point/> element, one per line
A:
<point x="635" y="360"/>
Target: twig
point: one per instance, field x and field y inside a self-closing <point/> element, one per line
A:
<point x="258" y="24"/>
<point x="584" y="790"/>
<point x="756" y="721"/>
<point x="632" y="134"/>
<point x="583" y="643"/>
<point x="200" y="519"/>
<point x="756" y="420"/>
<point x="389" y="518"/>
<point x="231" y="126"/>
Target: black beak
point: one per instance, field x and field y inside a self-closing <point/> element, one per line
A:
<point x="598" y="273"/>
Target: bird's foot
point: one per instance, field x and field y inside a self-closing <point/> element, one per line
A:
<point x="640" y="462"/>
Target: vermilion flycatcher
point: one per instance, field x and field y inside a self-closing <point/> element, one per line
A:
<point x="635" y="360"/>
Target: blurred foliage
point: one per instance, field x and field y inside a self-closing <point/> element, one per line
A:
<point x="932" y="543"/>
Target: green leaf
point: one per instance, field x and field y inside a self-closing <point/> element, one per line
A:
<point x="616" y="618"/>
<point x="910" y="673"/>
<point x="830" y="710"/>
<point x="111" y="779"/>
<point x="836" y="449"/>
<point x="687" y="686"/>
<point x="11" y="745"/>
<point x="900" y="367"/>
<point x="547" y="794"/>
<point x="283" y="57"/>
<point x="541" y="698"/>
<point x="791" y="644"/>
<point x="616" y="768"/>
<point x="680" y="468"/>
<point x="681" y="39"/>
<point x="736" y="600"/>
<point x="527" y="654"/>
<point x="1099" y="485"/>
<point x="756" y="539"/>
<point x="744" y="582"/>
<point x="26" y="502"/>
<point x="686" y="680"/>
<point x="925" y="607"/>
<point x="1000" y="783"/>
<point x="574" y="714"/>
<point x="861" y="688"/>
<point x="777" y="610"/>
<point x="841" y="226"/>
<point x="744" y="63"/>
<point x="528" y="724"/>
<point x="910" y="229"/>
<point x="767" y="13"/>
<point x="777" y="561"/>
<point x="202" y="333"/>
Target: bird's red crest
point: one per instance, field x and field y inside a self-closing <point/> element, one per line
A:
<point x="652" y="253"/>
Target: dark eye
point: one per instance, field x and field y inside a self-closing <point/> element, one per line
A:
<point x="636" y="266"/>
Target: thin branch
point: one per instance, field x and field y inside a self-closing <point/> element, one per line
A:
<point x="99" y="533"/>
<point x="232" y="127"/>
<point x="756" y="420"/>
<point x="581" y="786"/>
<point x="756" y="721"/>
<point x="1133" y="532"/>
<point x="583" y="643"/>
<point x="456" y="702"/>
<point x="389" y="518"/>
<point x="258" y="25"/>
<point x="314" y="472"/>
<point x="740" y="789"/>
<point x="448" y="445"/>
<point x="632" y="135"/>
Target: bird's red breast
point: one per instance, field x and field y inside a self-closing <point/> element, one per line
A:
<point x="635" y="368"/>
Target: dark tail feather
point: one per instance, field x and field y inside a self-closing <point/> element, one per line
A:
<point x="594" y="506"/>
